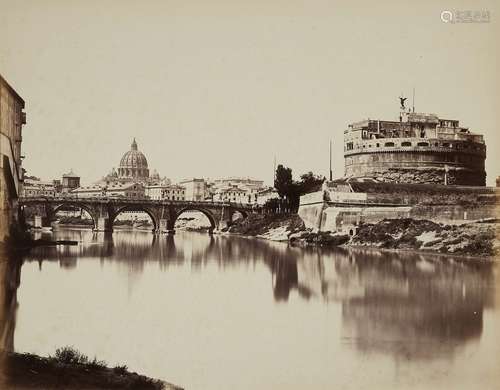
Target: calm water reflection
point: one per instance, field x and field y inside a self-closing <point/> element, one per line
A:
<point x="234" y="313"/>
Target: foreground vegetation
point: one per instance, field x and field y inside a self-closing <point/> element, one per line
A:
<point x="69" y="369"/>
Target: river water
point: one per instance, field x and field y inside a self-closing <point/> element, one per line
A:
<point x="218" y="312"/>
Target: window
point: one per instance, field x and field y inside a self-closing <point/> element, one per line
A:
<point x="389" y="144"/>
<point x="422" y="144"/>
<point x="406" y="143"/>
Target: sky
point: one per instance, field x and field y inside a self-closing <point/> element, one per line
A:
<point x="218" y="88"/>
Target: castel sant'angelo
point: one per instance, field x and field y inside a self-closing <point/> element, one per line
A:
<point x="419" y="148"/>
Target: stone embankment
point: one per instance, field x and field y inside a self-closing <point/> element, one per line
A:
<point x="478" y="239"/>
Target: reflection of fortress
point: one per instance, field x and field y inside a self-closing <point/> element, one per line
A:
<point x="412" y="306"/>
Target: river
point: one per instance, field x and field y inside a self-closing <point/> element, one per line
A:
<point x="219" y="312"/>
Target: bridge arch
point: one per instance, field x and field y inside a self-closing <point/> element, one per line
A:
<point x="77" y="205"/>
<point x="211" y="217"/>
<point x="235" y="211"/>
<point x="136" y="208"/>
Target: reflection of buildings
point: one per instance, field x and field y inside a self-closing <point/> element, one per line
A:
<point x="10" y="276"/>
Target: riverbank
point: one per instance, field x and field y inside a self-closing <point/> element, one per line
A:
<point x="69" y="371"/>
<point x="477" y="239"/>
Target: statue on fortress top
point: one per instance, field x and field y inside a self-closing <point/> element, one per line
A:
<point x="402" y="101"/>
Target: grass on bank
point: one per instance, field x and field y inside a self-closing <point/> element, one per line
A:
<point x="69" y="369"/>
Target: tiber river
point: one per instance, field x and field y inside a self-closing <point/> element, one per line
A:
<point x="237" y="313"/>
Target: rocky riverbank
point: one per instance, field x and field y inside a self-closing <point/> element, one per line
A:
<point x="471" y="239"/>
<point x="69" y="370"/>
<point x="478" y="239"/>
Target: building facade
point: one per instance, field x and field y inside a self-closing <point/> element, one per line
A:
<point x="232" y="194"/>
<point x="34" y="187"/>
<point x="114" y="190"/>
<point x="266" y="195"/>
<point x="241" y="182"/>
<point x="235" y="189"/>
<point x="12" y="118"/>
<point x="419" y="148"/>
<point x="70" y="181"/>
<point x="166" y="192"/>
<point x="195" y="189"/>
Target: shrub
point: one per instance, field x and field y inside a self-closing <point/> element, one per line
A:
<point x="94" y="363"/>
<point x="70" y="355"/>
<point x="120" y="369"/>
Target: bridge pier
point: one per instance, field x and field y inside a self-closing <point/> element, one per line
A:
<point x="104" y="224"/>
<point x="42" y="222"/>
<point x="163" y="228"/>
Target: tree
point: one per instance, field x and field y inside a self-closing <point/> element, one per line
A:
<point x="309" y="182"/>
<point x="283" y="181"/>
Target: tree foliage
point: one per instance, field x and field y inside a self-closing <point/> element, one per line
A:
<point x="290" y="190"/>
<point x="283" y="181"/>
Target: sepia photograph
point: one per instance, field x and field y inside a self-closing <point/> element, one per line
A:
<point x="243" y="195"/>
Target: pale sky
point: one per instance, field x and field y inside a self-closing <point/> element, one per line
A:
<point x="217" y="88"/>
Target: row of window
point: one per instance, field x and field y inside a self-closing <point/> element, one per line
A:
<point x="39" y="193"/>
<point x="350" y="146"/>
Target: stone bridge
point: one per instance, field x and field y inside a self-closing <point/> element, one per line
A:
<point x="163" y="213"/>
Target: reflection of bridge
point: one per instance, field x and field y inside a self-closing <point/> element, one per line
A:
<point x="163" y="213"/>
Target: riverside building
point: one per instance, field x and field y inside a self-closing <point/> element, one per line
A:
<point x="419" y="148"/>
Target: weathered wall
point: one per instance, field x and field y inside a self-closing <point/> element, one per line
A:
<point x="311" y="209"/>
<point x="414" y="194"/>
<point x="372" y="202"/>
<point x="11" y="120"/>
<point x="454" y="213"/>
<point x="425" y="164"/>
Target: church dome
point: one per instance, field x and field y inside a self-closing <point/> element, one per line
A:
<point x="133" y="164"/>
